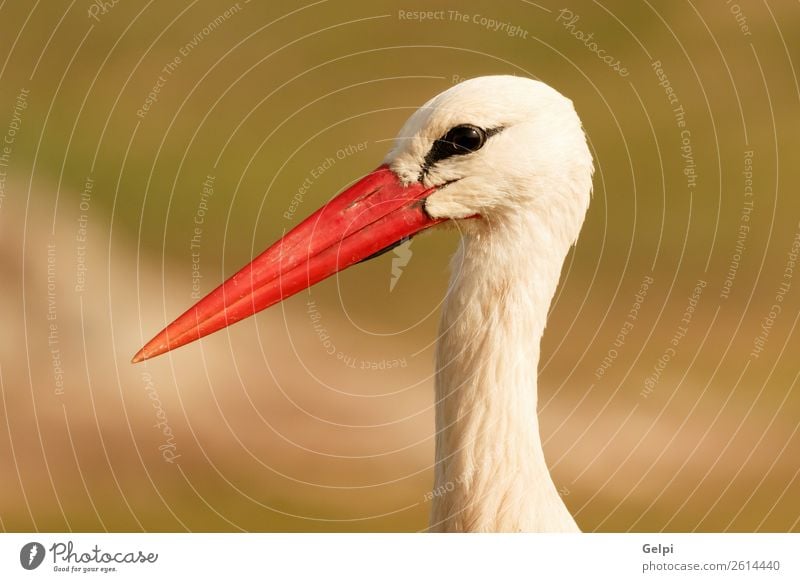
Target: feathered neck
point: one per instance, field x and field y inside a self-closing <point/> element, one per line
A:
<point x="490" y="472"/>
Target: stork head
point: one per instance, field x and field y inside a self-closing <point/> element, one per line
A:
<point x="497" y="147"/>
<point x="485" y="153"/>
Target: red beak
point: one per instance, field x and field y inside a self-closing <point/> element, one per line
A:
<point x="367" y="218"/>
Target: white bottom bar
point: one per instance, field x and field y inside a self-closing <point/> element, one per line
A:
<point x="388" y="557"/>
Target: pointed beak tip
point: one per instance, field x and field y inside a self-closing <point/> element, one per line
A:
<point x="148" y="351"/>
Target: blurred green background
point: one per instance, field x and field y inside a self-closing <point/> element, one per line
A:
<point x="267" y="430"/>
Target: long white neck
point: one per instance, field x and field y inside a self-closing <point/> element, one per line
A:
<point x="491" y="473"/>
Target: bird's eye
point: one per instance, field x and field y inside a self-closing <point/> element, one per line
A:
<point x="458" y="141"/>
<point x="463" y="139"/>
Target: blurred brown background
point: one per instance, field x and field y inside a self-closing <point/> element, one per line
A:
<point x="316" y="415"/>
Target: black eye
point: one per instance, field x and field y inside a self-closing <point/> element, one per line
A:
<point x="463" y="139"/>
<point x="458" y="141"/>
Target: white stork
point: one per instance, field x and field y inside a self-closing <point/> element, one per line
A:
<point x="507" y="159"/>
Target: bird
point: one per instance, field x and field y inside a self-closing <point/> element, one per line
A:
<point x="505" y="160"/>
